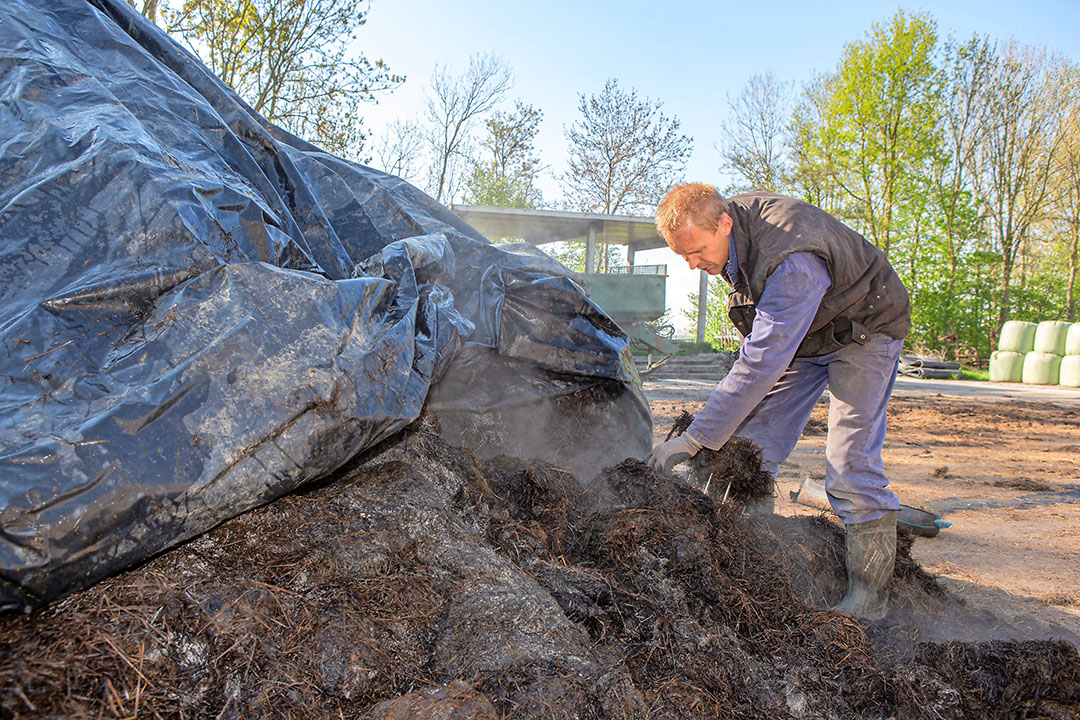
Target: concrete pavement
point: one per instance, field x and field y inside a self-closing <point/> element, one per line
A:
<point x="910" y="387"/>
<point x="697" y="388"/>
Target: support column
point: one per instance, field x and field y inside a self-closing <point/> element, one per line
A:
<point x="590" y="250"/>
<point x="630" y="259"/>
<point x="702" y="303"/>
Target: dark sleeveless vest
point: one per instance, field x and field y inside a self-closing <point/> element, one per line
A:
<point x="866" y="296"/>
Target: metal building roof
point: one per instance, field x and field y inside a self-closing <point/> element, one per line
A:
<point x="539" y="227"/>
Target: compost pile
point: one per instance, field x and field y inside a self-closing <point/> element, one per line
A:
<point x="421" y="582"/>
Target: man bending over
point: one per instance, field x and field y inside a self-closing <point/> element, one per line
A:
<point x="818" y="307"/>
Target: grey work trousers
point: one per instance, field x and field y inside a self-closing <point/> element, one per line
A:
<point x="860" y="380"/>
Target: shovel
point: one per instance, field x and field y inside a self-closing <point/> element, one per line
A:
<point x="919" y="522"/>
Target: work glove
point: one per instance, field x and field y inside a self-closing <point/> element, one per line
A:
<point x="668" y="454"/>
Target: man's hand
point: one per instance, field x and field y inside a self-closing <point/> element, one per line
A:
<point x="669" y="454"/>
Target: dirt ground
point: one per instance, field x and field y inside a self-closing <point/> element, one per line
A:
<point x="1006" y="474"/>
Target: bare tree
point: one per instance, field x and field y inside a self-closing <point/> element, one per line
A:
<point x="454" y="104"/>
<point x="400" y="148"/>
<point x="510" y="137"/>
<point x="1024" y="134"/>
<point x="1067" y="186"/>
<point x="291" y="61"/>
<point x="624" y="153"/>
<point x="755" y="134"/>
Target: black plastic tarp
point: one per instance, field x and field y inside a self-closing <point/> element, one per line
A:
<point x="201" y="312"/>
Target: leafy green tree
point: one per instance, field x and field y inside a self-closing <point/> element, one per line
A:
<point x="484" y="186"/>
<point x="1065" y="216"/>
<point x="572" y="255"/>
<point x="506" y="173"/>
<point x="719" y="332"/>
<point x="891" y="142"/>
<point x="956" y="231"/>
<point x="291" y="60"/>
<point x="815" y="147"/>
<point x="881" y="107"/>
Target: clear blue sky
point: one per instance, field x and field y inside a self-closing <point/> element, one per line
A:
<point x="688" y="55"/>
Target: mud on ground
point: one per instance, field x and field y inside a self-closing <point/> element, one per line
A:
<point x="424" y="583"/>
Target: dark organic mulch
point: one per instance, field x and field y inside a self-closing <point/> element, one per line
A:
<point x="815" y="427"/>
<point x="1030" y="678"/>
<point x="1023" y="483"/>
<point x="732" y="472"/>
<point x="424" y="583"/>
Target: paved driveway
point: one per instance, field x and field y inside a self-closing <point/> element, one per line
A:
<point x="910" y="387"/>
<point x="697" y="389"/>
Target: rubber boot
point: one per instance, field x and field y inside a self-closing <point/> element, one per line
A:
<point x="870" y="556"/>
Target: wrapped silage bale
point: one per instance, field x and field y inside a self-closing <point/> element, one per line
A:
<point x="1017" y="336"/>
<point x="1069" y="375"/>
<point x="1006" y="366"/>
<point x="1041" y="368"/>
<point x="1050" y="337"/>
<point x="1072" y="340"/>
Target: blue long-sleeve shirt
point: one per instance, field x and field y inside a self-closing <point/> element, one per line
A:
<point x="784" y="313"/>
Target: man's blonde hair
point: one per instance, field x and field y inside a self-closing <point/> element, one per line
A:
<point x="700" y="203"/>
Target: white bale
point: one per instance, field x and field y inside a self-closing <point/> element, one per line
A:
<point x="1017" y="336"/>
<point x="1072" y="340"/>
<point x="1069" y="375"/>
<point x="1006" y="366"/>
<point x="1050" y="337"/>
<point x="1041" y="368"/>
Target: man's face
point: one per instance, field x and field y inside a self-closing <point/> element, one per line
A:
<point x="702" y="249"/>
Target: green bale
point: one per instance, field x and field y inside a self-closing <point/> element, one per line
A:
<point x="1070" y="371"/>
<point x="1006" y="366"/>
<point x="1072" y="340"/>
<point x="1041" y="368"/>
<point x="1017" y="336"/>
<point x="1050" y="337"/>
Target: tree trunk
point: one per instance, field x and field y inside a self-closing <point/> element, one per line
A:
<point x="1003" y="300"/>
<point x="1070" y="289"/>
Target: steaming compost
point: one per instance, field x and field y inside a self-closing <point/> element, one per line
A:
<point x="423" y="582"/>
